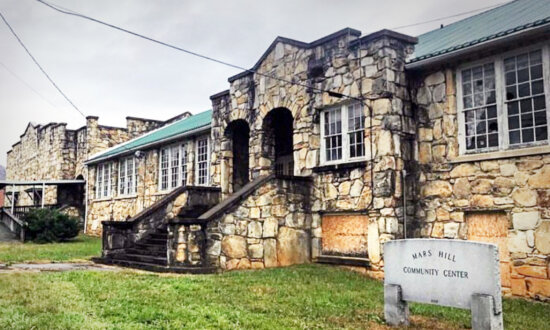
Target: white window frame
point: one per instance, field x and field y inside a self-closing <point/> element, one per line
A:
<point x="124" y="163"/>
<point x="104" y="169"/>
<point x="500" y="88"/>
<point x="208" y="148"/>
<point x="182" y="148"/>
<point x="345" y="135"/>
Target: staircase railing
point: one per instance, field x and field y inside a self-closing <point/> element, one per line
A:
<point x="15" y="225"/>
<point x="20" y="211"/>
<point x="119" y="235"/>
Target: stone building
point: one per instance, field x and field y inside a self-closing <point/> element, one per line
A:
<point x="323" y="151"/>
<point x="46" y="166"/>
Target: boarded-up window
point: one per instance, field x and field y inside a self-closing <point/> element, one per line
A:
<point x="492" y="227"/>
<point x="345" y="235"/>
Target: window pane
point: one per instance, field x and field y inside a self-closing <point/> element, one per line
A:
<point x="510" y="78"/>
<point x="527" y="120"/>
<point x="536" y="72"/>
<point x="523" y="90"/>
<point x="541" y="133"/>
<point x="470" y="143"/>
<point x="527" y="135"/>
<point x="493" y="140"/>
<point x="515" y="137"/>
<point x="513" y="122"/>
<point x="539" y="102"/>
<point x="492" y="112"/>
<point x="513" y="108"/>
<point x="481" y="142"/>
<point x="537" y="87"/>
<point x="540" y="118"/>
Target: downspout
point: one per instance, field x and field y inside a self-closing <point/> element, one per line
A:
<point x="404" y="192"/>
<point x="12" y="198"/>
<point x="43" y="193"/>
<point x="86" y="200"/>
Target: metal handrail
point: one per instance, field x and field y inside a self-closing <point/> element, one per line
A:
<point x="15" y="225"/>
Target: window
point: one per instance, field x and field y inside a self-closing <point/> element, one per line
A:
<point x="173" y="166"/>
<point x="127" y="176"/>
<point x="343" y="134"/>
<point x="202" y="161"/>
<point x="103" y="185"/>
<point x="525" y="99"/>
<point x="503" y="102"/>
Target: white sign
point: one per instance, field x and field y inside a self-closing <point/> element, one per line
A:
<point x="443" y="272"/>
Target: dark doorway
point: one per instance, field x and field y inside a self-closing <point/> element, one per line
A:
<point x="239" y="133"/>
<point x="278" y="146"/>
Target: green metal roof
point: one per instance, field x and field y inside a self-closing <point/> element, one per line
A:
<point x="162" y="134"/>
<point x="498" y="22"/>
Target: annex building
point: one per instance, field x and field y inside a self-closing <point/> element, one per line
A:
<point x="324" y="150"/>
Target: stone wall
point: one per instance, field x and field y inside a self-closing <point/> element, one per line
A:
<point x="370" y="69"/>
<point x="53" y="152"/>
<point x="452" y="190"/>
<point x="269" y="228"/>
<point x="43" y="153"/>
<point x="120" y="208"/>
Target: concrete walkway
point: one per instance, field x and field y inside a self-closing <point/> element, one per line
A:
<point x="54" y="267"/>
<point x="6" y="236"/>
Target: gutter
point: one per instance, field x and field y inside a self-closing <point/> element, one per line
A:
<point x="148" y="145"/>
<point x="499" y="41"/>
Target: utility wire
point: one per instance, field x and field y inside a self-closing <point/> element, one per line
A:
<point x="73" y="13"/>
<point x="21" y="80"/>
<point x="442" y="18"/>
<point x="38" y="64"/>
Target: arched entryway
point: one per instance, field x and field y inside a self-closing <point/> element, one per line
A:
<point x="277" y="141"/>
<point x="239" y="134"/>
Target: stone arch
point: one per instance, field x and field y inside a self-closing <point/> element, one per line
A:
<point x="237" y="154"/>
<point x="277" y="141"/>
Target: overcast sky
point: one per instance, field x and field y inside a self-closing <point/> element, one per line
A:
<point x="113" y="75"/>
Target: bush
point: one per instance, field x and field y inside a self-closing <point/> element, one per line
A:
<point x="46" y="226"/>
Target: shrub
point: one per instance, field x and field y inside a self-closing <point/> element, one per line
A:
<point x="46" y="226"/>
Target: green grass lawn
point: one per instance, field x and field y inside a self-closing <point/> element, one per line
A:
<point x="82" y="247"/>
<point x="310" y="296"/>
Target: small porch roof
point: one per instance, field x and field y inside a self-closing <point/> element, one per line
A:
<point x="10" y="183"/>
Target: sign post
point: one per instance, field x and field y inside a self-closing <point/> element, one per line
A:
<point x="453" y="273"/>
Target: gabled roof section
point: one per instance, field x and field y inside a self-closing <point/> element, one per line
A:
<point x="165" y="134"/>
<point x="297" y="43"/>
<point x="498" y="22"/>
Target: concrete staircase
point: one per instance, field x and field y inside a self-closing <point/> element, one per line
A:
<point x="150" y="253"/>
<point x="143" y="241"/>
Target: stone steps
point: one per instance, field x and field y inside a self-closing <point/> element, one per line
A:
<point x="144" y="258"/>
<point x="154" y="253"/>
<point x="339" y="260"/>
<point x="155" y="267"/>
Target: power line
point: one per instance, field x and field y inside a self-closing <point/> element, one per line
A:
<point x="442" y="18"/>
<point x="38" y="64"/>
<point x="27" y="85"/>
<point x="76" y="14"/>
<point x="73" y="13"/>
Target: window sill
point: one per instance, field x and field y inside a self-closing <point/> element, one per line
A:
<point x="340" y="166"/>
<point x="104" y="199"/>
<point x="502" y="154"/>
<point x="126" y="197"/>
